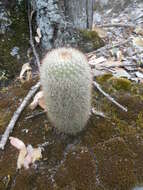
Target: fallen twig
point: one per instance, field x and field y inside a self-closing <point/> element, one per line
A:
<point x="35" y="115"/>
<point x="16" y="115"/>
<point x="117" y="25"/>
<point x="98" y="113"/>
<point x="31" y="38"/>
<point x="109" y="97"/>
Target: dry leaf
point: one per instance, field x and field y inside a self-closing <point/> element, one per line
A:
<point x="32" y="12"/>
<point x="138" y="41"/>
<point x="36" y="154"/>
<point x="119" y="55"/>
<point x="96" y="61"/>
<point x="27" y="161"/>
<point x="139" y="30"/>
<point x="38" y="100"/>
<point x="17" y="143"/>
<point x="112" y="63"/>
<point x="26" y="72"/>
<point x="28" y="158"/>
<point x="33" y="155"/>
<point x="39" y="32"/>
<point x="91" y="57"/>
<point x="100" y="31"/>
<point x="29" y="75"/>
<point x="37" y="39"/>
<point x="21" y="157"/>
<point x="27" y="155"/>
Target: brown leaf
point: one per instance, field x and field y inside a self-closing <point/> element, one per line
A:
<point x="21" y="157"/>
<point x="38" y="100"/>
<point x="26" y="73"/>
<point x="39" y="32"/>
<point x="37" y="39"/>
<point x="139" y="30"/>
<point x="17" y="143"/>
<point x="138" y="41"/>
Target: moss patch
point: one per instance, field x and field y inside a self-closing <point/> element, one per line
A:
<point x="104" y="78"/>
<point x="91" y="40"/>
<point x="115" y="164"/>
<point x="108" y="154"/>
<point x="120" y="83"/>
<point x="79" y="170"/>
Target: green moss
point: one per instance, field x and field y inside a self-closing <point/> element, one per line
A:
<point x="78" y="170"/>
<point x="123" y="127"/>
<point x="93" y="37"/>
<point x="104" y="78"/>
<point x="107" y="155"/>
<point x="139" y="121"/>
<point x="89" y="35"/>
<point x="120" y="83"/>
<point x="115" y="164"/>
<point x="98" y="130"/>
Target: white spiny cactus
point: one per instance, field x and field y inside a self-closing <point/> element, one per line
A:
<point x="66" y="81"/>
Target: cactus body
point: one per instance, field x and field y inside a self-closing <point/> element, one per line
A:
<point x="66" y="81"/>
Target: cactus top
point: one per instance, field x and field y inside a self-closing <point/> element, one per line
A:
<point x="66" y="81"/>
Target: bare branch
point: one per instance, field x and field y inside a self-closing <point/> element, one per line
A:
<point x="16" y="115"/>
<point x="31" y="38"/>
<point x="117" y="25"/>
<point x="109" y="97"/>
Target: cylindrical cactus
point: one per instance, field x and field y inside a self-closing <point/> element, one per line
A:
<point x="67" y="81"/>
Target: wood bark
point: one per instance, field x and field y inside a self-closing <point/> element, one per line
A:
<point x="59" y="20"/>
<point x="80" y="12"/>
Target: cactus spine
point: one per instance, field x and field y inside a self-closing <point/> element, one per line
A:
<point x="66" y="81"/>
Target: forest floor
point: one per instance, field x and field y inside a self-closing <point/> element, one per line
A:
<point x="123" y="34"/>
<point x="108" y="154"/>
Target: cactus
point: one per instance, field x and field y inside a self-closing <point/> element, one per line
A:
<point x="66" y="81"/>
